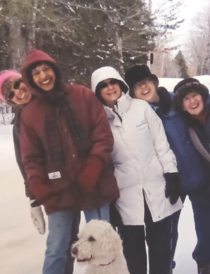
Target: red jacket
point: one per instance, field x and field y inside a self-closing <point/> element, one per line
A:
<point x="64" y="192"/>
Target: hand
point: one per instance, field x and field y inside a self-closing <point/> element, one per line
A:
<point x="38" y="218"/>
<point x="172" y="190"/>
<point x="91" y="173"/>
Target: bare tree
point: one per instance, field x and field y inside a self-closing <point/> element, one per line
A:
<point x="199" y="42"/>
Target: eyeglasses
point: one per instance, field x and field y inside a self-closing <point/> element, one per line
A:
<point x="106" y="84"/>
<point x="15" y="86"/>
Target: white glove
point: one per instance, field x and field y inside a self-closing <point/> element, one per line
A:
<point x="38" y="218"/>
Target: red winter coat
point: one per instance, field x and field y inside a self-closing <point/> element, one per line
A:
<point x="36" y="148"/>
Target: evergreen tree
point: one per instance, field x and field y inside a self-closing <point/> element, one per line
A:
<point x="82" y="35"/>
<point x="182" y="67"/>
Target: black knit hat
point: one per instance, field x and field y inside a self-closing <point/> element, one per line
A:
<point x="139" y="73"/>
<point x="186" y="87"/>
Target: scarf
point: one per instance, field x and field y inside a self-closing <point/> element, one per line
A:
<point x="60" y="103"/>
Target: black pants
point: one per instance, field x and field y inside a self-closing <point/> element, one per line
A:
<point x="158" y="237"/>
<point x="200" y="200"/>
<point x="75" y="229"/>
<point x="175" y="222"/>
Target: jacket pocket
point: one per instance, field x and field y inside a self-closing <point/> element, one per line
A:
<point x="126" y="176"/>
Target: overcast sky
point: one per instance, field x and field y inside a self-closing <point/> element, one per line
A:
<point x="188" y="11"/>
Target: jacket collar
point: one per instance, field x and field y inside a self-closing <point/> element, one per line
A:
<point x="121" y="107"/>
<point x="158" y="110"/>
<point x="123" y="104"/>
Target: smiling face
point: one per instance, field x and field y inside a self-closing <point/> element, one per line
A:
<point x="19" y="93"/>
<point x="193" y="103"/>
<point x="146" y="90"/>
<point x="110" y="91"/>
<point x="44" y="77"/>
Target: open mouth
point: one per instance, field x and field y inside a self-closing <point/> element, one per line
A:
<point x="84" y="260"/>
<point x="46" y="82"/>
<point x="23" y="95"/>
<point x="113" y="93"/>
<point x="145" y="92"/>
<point x="194" y="107"/>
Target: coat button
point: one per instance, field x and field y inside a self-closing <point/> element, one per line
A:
<point x="73" y="155"/>
<point x="65" y="130"/>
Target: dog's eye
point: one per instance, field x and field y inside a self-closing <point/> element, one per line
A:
<point x="91" y="239"/>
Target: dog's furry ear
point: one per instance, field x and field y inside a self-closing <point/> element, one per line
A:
<point x="111" y="241"/>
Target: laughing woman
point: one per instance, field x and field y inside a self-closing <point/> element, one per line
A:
<point x="192" y="98"/>
<point x="146" y="173"/>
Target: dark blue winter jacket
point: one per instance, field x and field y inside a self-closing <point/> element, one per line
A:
<point x="192" y="166"/>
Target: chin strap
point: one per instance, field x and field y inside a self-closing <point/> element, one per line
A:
<point x="107" y="264"/>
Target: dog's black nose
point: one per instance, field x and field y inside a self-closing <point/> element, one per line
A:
<point x="74" y="250"/>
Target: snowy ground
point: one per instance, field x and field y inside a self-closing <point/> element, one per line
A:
<point x="22" y="248"/>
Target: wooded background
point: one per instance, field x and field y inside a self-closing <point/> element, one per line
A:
<point x="85" y="35"/>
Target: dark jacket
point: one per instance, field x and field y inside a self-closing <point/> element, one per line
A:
<point x="48" y="147"/>
<point x="16" y="138"/>
<point x="202" y="131"/>
<point x="191" y="165"/>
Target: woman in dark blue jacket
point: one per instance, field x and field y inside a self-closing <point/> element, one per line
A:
<point x="191" y="99"/>
<point x="191" y="165"/>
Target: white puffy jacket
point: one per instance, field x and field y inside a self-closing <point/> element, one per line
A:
<point x="141" y="156"/>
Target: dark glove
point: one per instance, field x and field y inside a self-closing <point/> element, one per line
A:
<point x="91" y="173"/>
<point x="172" y="187"/>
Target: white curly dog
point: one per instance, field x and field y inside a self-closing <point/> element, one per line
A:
<point x="100" y="247"/>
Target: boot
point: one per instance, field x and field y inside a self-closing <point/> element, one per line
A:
<point x="173" y="265"/>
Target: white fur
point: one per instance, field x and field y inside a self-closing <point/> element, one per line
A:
<point x="103" y="255"/>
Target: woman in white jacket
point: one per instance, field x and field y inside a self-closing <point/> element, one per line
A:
<point x="146" y="173"/>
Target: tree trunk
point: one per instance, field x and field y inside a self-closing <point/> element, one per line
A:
<point x="32" y="32"/>
<point x="150" y="6"/>
<point x="119" y="49"/>
<point x="17" y="47"/>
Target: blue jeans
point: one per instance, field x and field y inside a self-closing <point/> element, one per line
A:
<point x="60" y="225"/>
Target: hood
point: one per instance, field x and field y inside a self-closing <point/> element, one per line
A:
<point x="32" y="58"/>
<point x="104" y="73"/>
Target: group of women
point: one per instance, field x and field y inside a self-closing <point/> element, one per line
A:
<point x="132" y="145"/>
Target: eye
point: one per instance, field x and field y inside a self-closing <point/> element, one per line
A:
<point x="91" y="239"/>
<point x="46" y="68"/>
<point x="35" y="73"/>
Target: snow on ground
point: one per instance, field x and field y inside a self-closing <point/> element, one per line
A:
<point x="22" y="247"/>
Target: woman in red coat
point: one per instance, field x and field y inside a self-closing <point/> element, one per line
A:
<point x="66" y="145"/>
